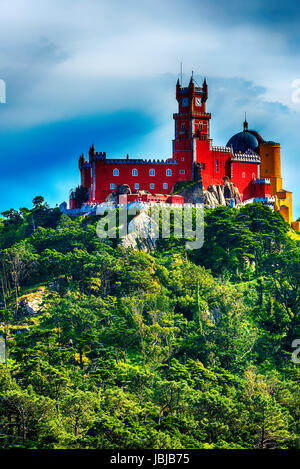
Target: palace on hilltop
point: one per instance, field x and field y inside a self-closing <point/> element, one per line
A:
<point x="250" y="163"/>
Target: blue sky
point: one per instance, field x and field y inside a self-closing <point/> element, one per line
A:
<point x="104" y="72"/>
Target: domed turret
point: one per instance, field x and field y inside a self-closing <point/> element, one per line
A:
<point x="245" y="140"/>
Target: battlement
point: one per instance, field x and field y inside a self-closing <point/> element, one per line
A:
<point x="262" y="181"/>
<point x="100" y="155"/>
<point x="140" y="161"/>
<point x="221" y="149"/>
<point x="245" y="158"/>
<point x="206" y="115"/>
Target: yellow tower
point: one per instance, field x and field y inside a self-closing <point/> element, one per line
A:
<point x="271" y="168"/>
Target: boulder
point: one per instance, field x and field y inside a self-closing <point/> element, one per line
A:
<point x="31" y="303"/>
<point x="193" y="194"/>
<point x="141" y="233"/>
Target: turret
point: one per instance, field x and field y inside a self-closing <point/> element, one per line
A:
<point x="192" y="84"/>
<point x="205" y="91"/>
<point x="92" y="153"/>
<point x="81" y="161"/>
<point x="178" y="90"/>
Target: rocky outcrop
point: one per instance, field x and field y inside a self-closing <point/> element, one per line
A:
<point x="193" y="194"/>
<point x="222" y="194"/>
<point x="216" y="194"/>
<point x="141" y="233"/>
<point x="210" y="199"/>
<point x="31" y="303"/>
<point x="124" y="189"/>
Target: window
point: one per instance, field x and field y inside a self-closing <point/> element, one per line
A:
<point x="253" y="176"/>
<point x="202" y="165"/>
<point x="217" y="166"/>
<point x="152" y="185"/>
<point x="182" y="129"/>
<point x="267" y="171"/>
<point x="152" y="172"/>
<point x="182" y="159"/>
<point x="136" y="186"/>
<point x="112" y="186"/>
<point x="169" y="172"/>
<point x="182" y="171"/>
<point x="165" y="185"/>
<point x="116" y="172"/>
<point x="134" y="172"/>
<point x="243" y="175"/>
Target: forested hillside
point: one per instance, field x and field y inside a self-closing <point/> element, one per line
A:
<point x="174" y="349"/>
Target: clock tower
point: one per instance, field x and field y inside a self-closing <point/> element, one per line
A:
<point x="192" y="137"/>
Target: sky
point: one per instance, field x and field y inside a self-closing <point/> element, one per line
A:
<point x="79" y="72"/>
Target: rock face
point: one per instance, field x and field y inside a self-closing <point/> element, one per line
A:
<point x="141" y="233"/>
<point x="219" y="194"/>
<point x="223" y="194"/>
<point x="124" y="189"/>
<point x="193" y="194"/>
<point x="31" y="303"/>
<point x="111" y="198"/>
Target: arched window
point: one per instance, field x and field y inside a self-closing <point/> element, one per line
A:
<point x="134" y="172"/>
<point x="152" y="185"/>
<point x="152" y="172"/>
<point x="169" y="172"/>
<point x="243" y="175"/>
<point x="165" y="185"/>
<point x="136" y="186"/>
<point x="116" y="172"/>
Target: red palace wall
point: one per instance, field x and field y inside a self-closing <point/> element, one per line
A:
<point x="242" y="175"/>
<point x="261" y="188"/>
<point x="104" y="176"/>
<point x="86" y="176"/>
<point x="192" y="144"/>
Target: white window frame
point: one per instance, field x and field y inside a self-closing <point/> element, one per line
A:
<point x="152" y="170"/>
<point x="116" y="172"/>
<point x="136" y="185"/>
<point x="165" y="185"/>
<point x="112" y="185"/>
<point x="182" y="171"/>
<point x="168" y="172"/>
<point x="133" y="171"/>
<point x="152" y="185"/>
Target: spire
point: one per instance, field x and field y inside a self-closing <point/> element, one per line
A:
<point x="192" y="79"/>
<point x="92" y="153"/>
<point x="178" y="82"/>
<point x="245" y="123"/>
<point x="205" y="90"/>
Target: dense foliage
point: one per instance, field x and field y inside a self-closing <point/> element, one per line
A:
<point x="175" y="349"/>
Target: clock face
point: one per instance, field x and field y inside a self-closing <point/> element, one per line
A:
<point x="185" y="102"/>
<point x="198" y="101"/>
